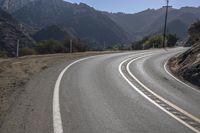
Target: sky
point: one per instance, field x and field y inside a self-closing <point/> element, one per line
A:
<point x="133" y="6"/>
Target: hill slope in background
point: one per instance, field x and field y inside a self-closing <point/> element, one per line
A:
<point x="10" y="32"/>
<point x="78" y="20"/>
<point x="96" y="27"/>
<point x="151" y="21"/>
<point x="187" y="65"/>
<point x="13" y="5"/>
<point x="51" y="32"/>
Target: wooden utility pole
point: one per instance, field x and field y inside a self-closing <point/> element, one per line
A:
<point x="18" y="44"/>
<point x="165" y="25"/>
<point x="71" y="46"/>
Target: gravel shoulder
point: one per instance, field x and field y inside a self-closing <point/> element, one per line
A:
<point x="19" y="78"/>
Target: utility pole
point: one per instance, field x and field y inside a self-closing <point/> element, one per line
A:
<point x="18" y="45"/>
<point x="71" y="46"/>
<point x="17" y="49"/>
<point x="104" y="46"/>
<point x="165" y="26"/>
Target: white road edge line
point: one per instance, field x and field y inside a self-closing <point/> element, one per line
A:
<point x="140" y="92"/>
<point x="57" y="120"/>
<point x="169" y="73"/>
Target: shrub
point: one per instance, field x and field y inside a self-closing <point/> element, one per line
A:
<point x="77" y="45"/>
<point x="154" y="41"/>
<point x="3" y="54"/>
<point x="172" y="40"/>
<point x="26" y="51"/>
<point x="50" y="47"/>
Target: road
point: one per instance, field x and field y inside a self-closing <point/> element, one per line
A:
<point x="129" y="92"/>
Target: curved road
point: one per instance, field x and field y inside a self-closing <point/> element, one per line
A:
<point x="115" y="93"/>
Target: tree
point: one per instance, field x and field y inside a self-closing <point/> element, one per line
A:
<point x="27" y="51"/>
<point x="194" y="33"/>
<point x="154" y="42"/>
<point x="171" y="40"/>
<point x="50" y="47"/>
<point x="77" y="45"/>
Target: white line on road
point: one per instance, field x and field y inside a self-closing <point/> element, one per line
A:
<point x="144" y="95"/>
<point x="57" y="120"/>
<point x="169" y="73"/>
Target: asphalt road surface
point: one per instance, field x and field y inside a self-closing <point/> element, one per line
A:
<point x="131" y="92"/>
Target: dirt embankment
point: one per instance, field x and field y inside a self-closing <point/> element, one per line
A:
<point x="15" y="73"/>
<point x="187" y="65"/>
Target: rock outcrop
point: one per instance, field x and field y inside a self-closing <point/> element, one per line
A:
<point x="10" y="33"/>
<point x="187" y="65"/>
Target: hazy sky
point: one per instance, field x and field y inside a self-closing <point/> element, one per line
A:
<point x="132" y="6"/>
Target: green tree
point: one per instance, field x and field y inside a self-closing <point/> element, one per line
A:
<point x="26" y="51"/>
<point x="50" y="47"/>
<point x="154" y="42"/>
<point x="77" y="45"/>
<point x="171" y="40"/>
<point x="194" y="33"/>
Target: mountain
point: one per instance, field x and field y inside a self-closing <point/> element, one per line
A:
<point x="13" y="5"/>
<point x="151" y="21"/>
<point x="97" y="27"/>
<point x="51" y="32"/>
<point x="10" y="33"/>
<point x="78" y="20"/>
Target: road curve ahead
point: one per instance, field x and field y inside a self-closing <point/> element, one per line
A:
<point x="129" y="92"/>
<point x="126" y="93"/>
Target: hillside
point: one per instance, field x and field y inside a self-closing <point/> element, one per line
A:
<point x="51" y="32"/>
<point x="13" y="5"/>
<point x="151" y="21"/>
<point x="10" y="32"/>
<point x="78" y="20"/>
<point x="97" y="27"/>
<point x="187" y="65"/>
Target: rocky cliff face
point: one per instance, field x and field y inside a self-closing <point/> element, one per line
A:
<point x="78" y="20"/>
<point x="10" y="33"/>
<point x="13" y="5"/>
<point x="187" y="65"/>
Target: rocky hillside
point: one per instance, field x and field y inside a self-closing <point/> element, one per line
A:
<point x="187" y="65"/>
<point x="151" y="21"/>
<point x="51" y="32"/>
<point x="13" y="5"/>
<point x="10" y="33"/>
<point x="78" y="20"/>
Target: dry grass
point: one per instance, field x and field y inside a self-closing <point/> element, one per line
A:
<point x="15" y="73"/>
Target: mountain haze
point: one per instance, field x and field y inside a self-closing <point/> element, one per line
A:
<point x="151" y="21"/>
<point x="78" y="20"/>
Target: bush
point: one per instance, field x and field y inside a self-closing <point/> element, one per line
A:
<point x="154" y="41"/>
<point x="26" y="51"/>
<point x="3" y="54"/>
<point x="194" y="33"/>
<point x="172" y="40"/>
<point x="50" y="47"/>
<point x="77" y="45"/>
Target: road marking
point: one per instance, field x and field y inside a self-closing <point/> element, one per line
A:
<point x="156" y="95"/>
<point x="57" y="119"/>
<point x="169" y="73"/>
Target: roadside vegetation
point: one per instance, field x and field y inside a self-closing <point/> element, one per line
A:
<point x="50" y="47"/>
<point x="154" y="41"/>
